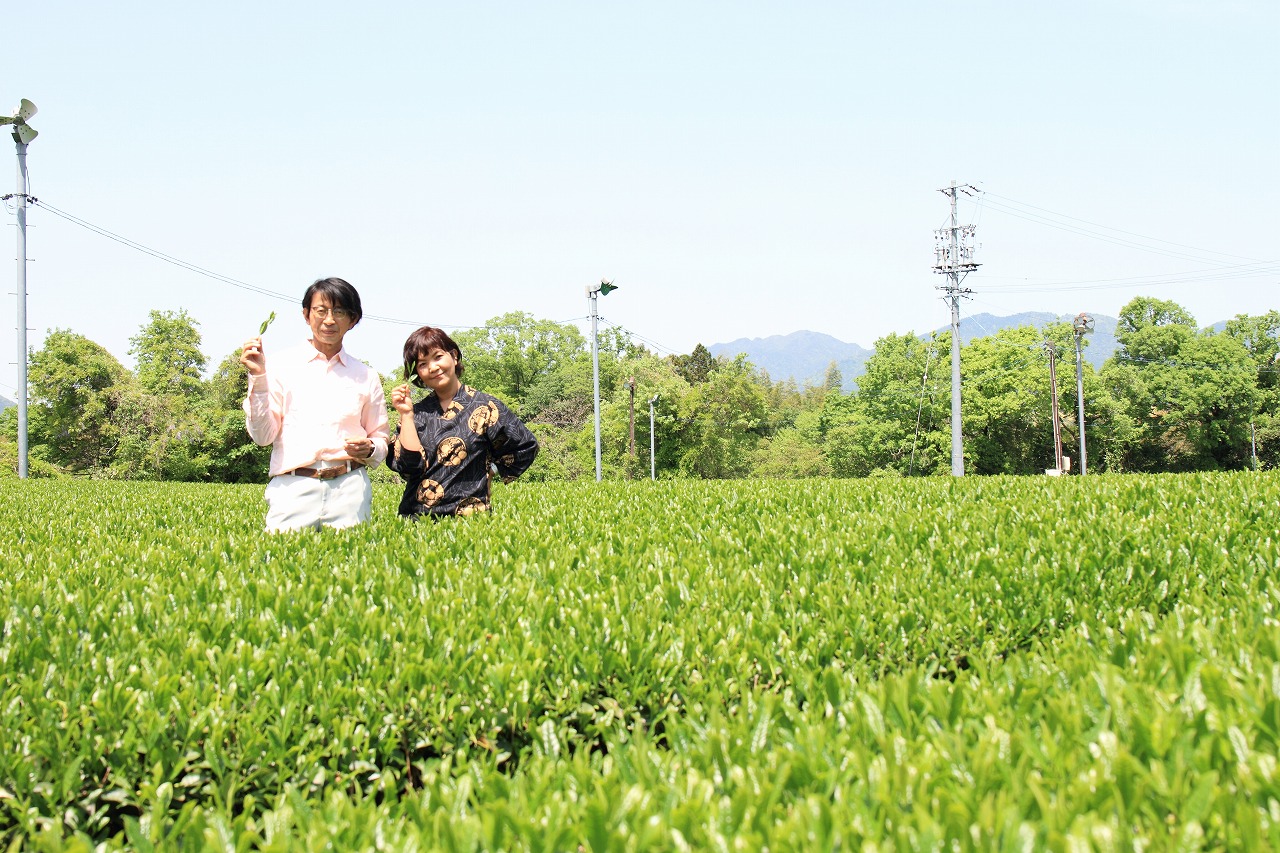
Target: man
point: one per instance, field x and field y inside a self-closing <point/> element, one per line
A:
<point x="323" y="412"/>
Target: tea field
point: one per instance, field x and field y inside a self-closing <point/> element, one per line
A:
<point x="978" y="664"/>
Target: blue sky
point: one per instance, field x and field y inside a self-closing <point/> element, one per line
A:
<point x="739" y="169"/>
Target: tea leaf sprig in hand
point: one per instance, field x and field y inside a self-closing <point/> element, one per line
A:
<point x="267" y="322"/>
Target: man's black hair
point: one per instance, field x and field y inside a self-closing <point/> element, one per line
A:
<point x="341" y="295"/>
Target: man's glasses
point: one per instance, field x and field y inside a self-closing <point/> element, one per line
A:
<point x="339" y="314"/>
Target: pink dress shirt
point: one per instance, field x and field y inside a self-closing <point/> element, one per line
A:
<point x="307" y="405"/>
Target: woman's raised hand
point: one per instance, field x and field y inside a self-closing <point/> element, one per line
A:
<point x="402" y="399"/>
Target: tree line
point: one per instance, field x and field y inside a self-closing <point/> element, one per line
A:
<point x="1172" y="398"/>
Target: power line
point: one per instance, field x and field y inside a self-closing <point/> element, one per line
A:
<point x="1242" y="271"/>
<point x="1105" y="238"/>
<point x="125" y="241"/>
<point x="1012" y="201"/>
<point x="199" y="270"/>
<point x="639" y="337"/>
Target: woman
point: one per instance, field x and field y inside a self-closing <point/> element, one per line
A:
<point x="447" y="442"/>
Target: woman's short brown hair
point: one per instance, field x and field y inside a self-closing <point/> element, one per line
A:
<point x="423" y="341"/>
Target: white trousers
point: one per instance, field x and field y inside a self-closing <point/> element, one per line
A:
<point x="297" y="502"/>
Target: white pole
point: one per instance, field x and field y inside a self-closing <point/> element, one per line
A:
<point x="1084" y="459"/>
<point x="957" y="434"/>
<point x="22" y="308"/>
<point x="595" y="376"/>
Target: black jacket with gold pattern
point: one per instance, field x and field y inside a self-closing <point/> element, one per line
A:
<point x="451" y="475"/>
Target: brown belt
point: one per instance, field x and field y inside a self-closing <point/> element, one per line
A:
<point x="327" y="473"/>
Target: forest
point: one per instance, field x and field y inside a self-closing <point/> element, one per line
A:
<point x="1173" y="398"/>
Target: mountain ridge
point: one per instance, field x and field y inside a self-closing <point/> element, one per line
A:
<point x="804" y="356"/>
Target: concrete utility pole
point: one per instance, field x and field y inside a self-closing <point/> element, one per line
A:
<point x="23" y="417"/>
<point x="23" y="133"/>
<point x="1052" y="350"/>
<point x="653" y="461"/>
<point x="953" y="257"/>
<point x="1082" y="326"/>
<point x="631" y="442"/>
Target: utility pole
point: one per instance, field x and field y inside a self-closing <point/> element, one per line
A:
<point x="1052" y="350"/>
<point x="953" y="257"/>
<point x="23" y="416"/>
<point x="23" y="133"/>
<point x="1083" y="325"/>
<point x="631" y="446"/>
<point x="653" y="461"/>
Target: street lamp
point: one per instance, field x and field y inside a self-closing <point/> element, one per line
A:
<point x="603" y="289"/>
<point x="23" y="133"/>
<point x="1082" y="326"/>
<point x="653" y="465"/>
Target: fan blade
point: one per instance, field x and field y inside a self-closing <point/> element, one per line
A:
<point x="25" y="110"/>
<point x="25" y="133"/>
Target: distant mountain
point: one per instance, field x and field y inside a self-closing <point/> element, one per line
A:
<point x="801" y="356"/>
<point x="5" y="403"/>
<point x="804" y="356"/>
<point x="1099" y="345"/>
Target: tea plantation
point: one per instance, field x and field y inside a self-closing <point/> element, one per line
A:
<point x="934" y="664"/>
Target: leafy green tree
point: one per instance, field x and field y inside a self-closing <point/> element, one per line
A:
<point x="1150" y="333"/>
<point x="232" y="456"/>
<point x="1007" y="409"/>
<point x="1110" y="431"/>
<point x="1191" y="396"/>
<point x="162" y="437"/>
<point x="900" y="411"/>
<point x="721" y="422"/>
<point x="511" y="355"/>
<point x="163" y="419"/>
<point x="1211" y="396"/>
<point x="654" y="376"/>
<point x="696" y="367"/>
<point x="75" y="387"/>
<point x="788" y="455"/>
<point x="36" y="468"/>
<point x="564" y="398"/>
<point x="833" y="379"/>
<point x="1143" y="313"/>
<point x="167" y="349"/>
<point x="563" y="454"/>
<point x="785" y="402"/>
<point x="1261" y="338"/>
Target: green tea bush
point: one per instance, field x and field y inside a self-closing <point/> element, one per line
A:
<point x="984" y="663"/>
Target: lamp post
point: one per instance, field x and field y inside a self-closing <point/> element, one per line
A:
<point x="23" y="133"/>
<point x="653" y="465"/>
<point x="1082" y="326"/>
<point x="602" y="289"/>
